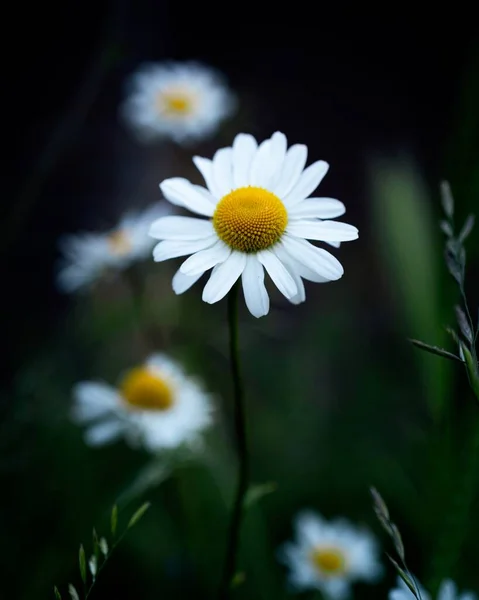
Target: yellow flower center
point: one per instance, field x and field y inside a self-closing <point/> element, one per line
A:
<point x="328" y="561"/>
<point x="143" y="389"/>
<point x="174" y="103"/>
<point x="119" y="242"/>
<point x="250" y="219"/>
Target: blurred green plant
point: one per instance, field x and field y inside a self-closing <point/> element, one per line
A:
<point x="455" y="521"/>
<point x="405" y="226"/>
<point x="382" y="513"/>
<point x="101" y="553"/>
<point x="455" y="257"/>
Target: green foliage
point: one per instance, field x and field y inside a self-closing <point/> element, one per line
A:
<point x="455" y="258"/>
<point x="97" y="561"/>
<point x="382" y="513"/>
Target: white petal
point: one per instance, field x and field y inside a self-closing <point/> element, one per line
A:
<point x="181" y="192"/>
<point x="223" y="170"/>
<point x="278" y="152"/>
<point x="318" y="208"/>
<point x="181" y="228"/>
<point x="173" y="248"/>
<point x="206" y="259"/>
<point x="336" y="588"/>
<point x="224" y="277"/>
<point x="325" y="231"/>
<point x="93" y="400"/>
<point x="104" y="433"/>
<point x="205" y="167"/>
<point x="296" y="268"/>
<point x="307" y="183"/>
<point x="292" y="168"/>
<point x="255" y="294"/>
<point x="400" y="595"/>
<point x="182" y="282"/>
<point x="278" y="273"/>
<point x="318" y="260"/>
<point x="447" y="591"/>
<point x="261" y="166"/>
<point x="334" y="244"/>
<point x="244" y="148"/>
<point x="301" y="295"/>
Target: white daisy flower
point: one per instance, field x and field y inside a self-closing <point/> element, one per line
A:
<point x="155" y="405"/>
<point x="329" y="556"/>
<point x="447" y="591"/>
<point x="87" y="256"/>
<point x="260" y="215"/>
<point x="182" y="101"/>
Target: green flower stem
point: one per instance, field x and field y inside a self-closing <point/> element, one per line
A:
<point x="229" y="569"/>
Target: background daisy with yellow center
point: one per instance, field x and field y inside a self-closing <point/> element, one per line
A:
<point x="155" y="405"/>
<point x="89" y="256"/>
<point x="330" y="556"/>
<point x="260" y="214"/>
<point x="181" y="101"/>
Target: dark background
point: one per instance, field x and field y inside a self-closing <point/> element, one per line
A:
<point x="357" y="85"/>
<point x="377" y="82"/>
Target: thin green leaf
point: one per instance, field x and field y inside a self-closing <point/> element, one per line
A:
<point x="379" y="505"/>
<point x="447" y="199"/>
<point x="93" y="564"/>
<point x="398" y="543"/>
<point x="73" y="593"/>
<point x="463" y="323"/>
<point x="82" y="563"/>
<point x="406" y="577"/>
<point x="453" y="334"/>
<point x="103" y="546"/>
<point x="446" y="228"/>
<point x="466" y="229"/>
<point x="256" y="492"/>
<point x="238" y="579"/>
<point x="462" y="261"/>
<point x="435" y="350"/>
<point x="96" y="547"/>
<point x="58" y="596"/>
<point x="138" y="514"/>
<point x="472" y="370"/>
<point x="453" y="267"/>
<point x="114" y="519"/>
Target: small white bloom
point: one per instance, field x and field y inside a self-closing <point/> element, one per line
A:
<point x="259" y="216"/>
<point x="447" y="591"/>
<point x="330" y="556"/>
<point x="88" y="256"/>
<point x="182" y="101"/>
<point x="156" y="405"/>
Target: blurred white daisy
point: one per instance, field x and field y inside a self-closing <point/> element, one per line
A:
<point x="155" y="405"/>
<point x="182" y="101"/>
<point x="329" y="556"/>
<point x="260" y="215"/>
<point x="88" y="256"/>
<point x="447" y="591"/>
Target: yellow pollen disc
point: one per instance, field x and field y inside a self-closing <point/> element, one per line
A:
<point x="328" y="561"/>
<point x="142" y="389"/>
<point x="174" y="103"/>
<point x="250" y="219"/>
<point x="119" y="242"/>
